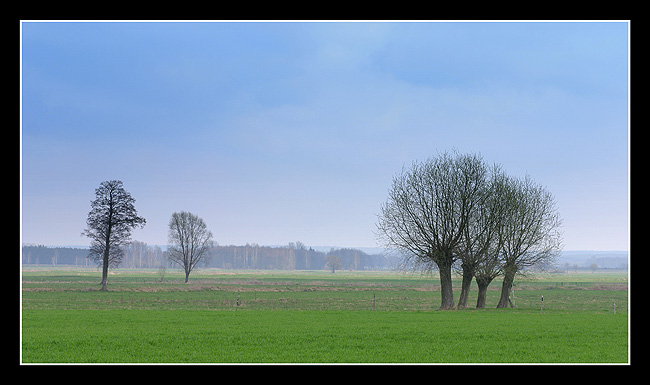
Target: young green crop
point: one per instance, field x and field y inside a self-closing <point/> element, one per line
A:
<point x="495" y="336"/>
<point x="315" y="317"/>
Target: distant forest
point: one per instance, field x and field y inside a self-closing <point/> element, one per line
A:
<point x="294" y="256"/>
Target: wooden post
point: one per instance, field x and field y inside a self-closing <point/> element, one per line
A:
<point x="541" y="308"/>
<point x="373" y="301"/>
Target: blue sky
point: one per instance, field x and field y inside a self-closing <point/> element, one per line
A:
<point x="276" y="132"/>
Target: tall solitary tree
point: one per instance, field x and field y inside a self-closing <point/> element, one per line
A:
<point x="427" y="213"/>
<point x="190" y="241"/>
<point x="110" y="221"/>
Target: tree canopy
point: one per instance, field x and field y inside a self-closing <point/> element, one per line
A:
<point x="110" y="221"/>
<point x="190" y="241"/>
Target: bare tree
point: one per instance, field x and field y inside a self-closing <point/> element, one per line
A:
<point x="333" y="262"/>
<point x="529" y="235"/>
<point x="161" y="272"/>
<point x="489" y="264"/>
<point x="110" y="222"/>
<point x="479" y="242"/>
<point x="427" y="213"/>
<point x="189" y="239"/>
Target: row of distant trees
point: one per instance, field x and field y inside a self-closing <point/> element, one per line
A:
<point x="294" y="256"/>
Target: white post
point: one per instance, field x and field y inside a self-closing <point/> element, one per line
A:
<point x="541" y="308"/>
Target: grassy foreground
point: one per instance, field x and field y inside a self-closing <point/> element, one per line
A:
<point x="159" y="336"/>
<point x="314" y="318"/>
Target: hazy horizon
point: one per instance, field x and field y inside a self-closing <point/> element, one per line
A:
<point x="276" y="132"/>
<point x="315" y="247"/>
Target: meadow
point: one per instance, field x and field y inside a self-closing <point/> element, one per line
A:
<point x="224" y="316"/>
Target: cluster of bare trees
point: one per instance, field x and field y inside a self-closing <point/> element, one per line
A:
<point x="456" y="212"/>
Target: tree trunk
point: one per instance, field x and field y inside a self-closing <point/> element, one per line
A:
<point x="107" y="252"/>
<point x="446" y="290"/>
<point x="104" y="282"/>
<point x="468" y="274"/>
<point x="504" y="301"/>
<point x="483" y="284"/>
<point x="187" y="276"/>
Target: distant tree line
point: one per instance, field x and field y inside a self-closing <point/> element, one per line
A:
<point x="136" y="255"/>
<point x="43" y="255"/>
<point x="294" y="256"/>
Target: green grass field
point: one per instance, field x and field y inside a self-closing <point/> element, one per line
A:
<point x="315" y="317"/>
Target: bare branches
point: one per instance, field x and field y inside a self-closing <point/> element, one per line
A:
<point x="190" y="241"/>
<point x="428" y="210"/>
<point x="455" y="208"/>
<point x="529" y="235"/>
